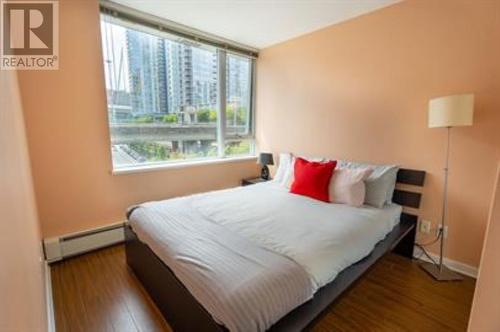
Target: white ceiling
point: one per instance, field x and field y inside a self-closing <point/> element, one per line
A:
<point x="257" y="23"/>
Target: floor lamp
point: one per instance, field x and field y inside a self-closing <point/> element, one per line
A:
<point x="447" y="112"/>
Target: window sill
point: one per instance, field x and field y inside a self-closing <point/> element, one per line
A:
<point x="178" y="164"/>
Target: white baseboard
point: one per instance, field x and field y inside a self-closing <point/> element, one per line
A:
<point x="51" y="324"/>
<point x="58" y="248"/>
<point x="456" y="266"/>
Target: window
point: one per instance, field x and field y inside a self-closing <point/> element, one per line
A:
<point x="165" y="97"/>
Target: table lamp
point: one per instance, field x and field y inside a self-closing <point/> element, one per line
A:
<point x="264" y="160"/>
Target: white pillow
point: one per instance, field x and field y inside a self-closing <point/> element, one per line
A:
<point x="347" y="186"/>
<point x="379" y="185"/>
<point x="284" y="163"/>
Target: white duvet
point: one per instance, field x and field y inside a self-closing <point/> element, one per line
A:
<point x="323" y="238"/>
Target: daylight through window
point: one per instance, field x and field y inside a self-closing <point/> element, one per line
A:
<point x="163" y="96"/>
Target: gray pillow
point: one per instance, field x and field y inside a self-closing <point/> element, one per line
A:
<point x="379" y="185"/>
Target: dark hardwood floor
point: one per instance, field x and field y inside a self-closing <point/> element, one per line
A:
<point x="97" y="292"/>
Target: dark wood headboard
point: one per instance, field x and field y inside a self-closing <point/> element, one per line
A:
<point x="406" y="197"/>
<point x="409" y="198"/>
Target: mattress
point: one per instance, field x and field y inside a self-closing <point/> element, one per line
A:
<point x="251" y="254"/>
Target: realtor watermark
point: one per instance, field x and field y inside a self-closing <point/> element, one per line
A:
<point x="29" y="35"/>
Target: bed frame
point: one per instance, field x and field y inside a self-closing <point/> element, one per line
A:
<point x="184" y="313"/>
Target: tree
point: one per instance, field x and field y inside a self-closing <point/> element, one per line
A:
<point x="144" y="119"/>
<point x="206" y="115"/>
<point x="238" y="118"/>
<point x="169" y="118"/>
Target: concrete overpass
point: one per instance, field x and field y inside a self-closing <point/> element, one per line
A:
<point x="127" y="133"/>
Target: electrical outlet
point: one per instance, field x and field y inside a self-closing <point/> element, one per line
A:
<point x="425" y="226"/>
<point x="445" y="233"/>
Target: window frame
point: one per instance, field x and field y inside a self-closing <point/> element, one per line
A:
<point x="222" y="137"/>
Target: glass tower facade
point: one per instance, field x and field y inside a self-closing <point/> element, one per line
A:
<point x="147" y="73"/>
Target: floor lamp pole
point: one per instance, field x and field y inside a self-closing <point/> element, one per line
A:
<point x="444" y="212"/>
<point x="441" y="272"/>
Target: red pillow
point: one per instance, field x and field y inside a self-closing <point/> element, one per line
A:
<point x="312" y="178"/>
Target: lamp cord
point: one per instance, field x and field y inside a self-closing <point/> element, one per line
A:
<point x="438" y="237"/>
<point x="424" y="252"/>
<point x="422" y="246"/>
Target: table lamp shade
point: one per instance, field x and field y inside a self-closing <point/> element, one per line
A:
<point x="451" y="111"/>
<point x="265" y="159"/>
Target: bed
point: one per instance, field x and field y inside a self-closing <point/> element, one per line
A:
<point x="248" y="259"/>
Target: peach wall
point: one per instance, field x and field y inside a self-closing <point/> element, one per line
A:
<point x="22" y="278"/>
<point x="484" y="316"/>
<point x="68" y="137"/>
<point x="359" y="90"/>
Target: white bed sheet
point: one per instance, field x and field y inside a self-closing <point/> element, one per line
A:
<point x="323" y="238"/>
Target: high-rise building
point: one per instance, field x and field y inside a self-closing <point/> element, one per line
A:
<point x="174" y="75"/>
<point x="192" y="77"/>
<point x="147" y="73"/>
<point x="237" y="80"/>
<point x="204" y="78"/>
<point x="168" y="76"/>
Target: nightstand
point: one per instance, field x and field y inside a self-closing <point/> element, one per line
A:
<point x="247" y="182"/>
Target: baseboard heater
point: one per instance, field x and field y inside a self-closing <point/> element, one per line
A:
<point x="58" y="248"/>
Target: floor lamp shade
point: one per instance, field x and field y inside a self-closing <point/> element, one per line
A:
<point x="451" y="111"/>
